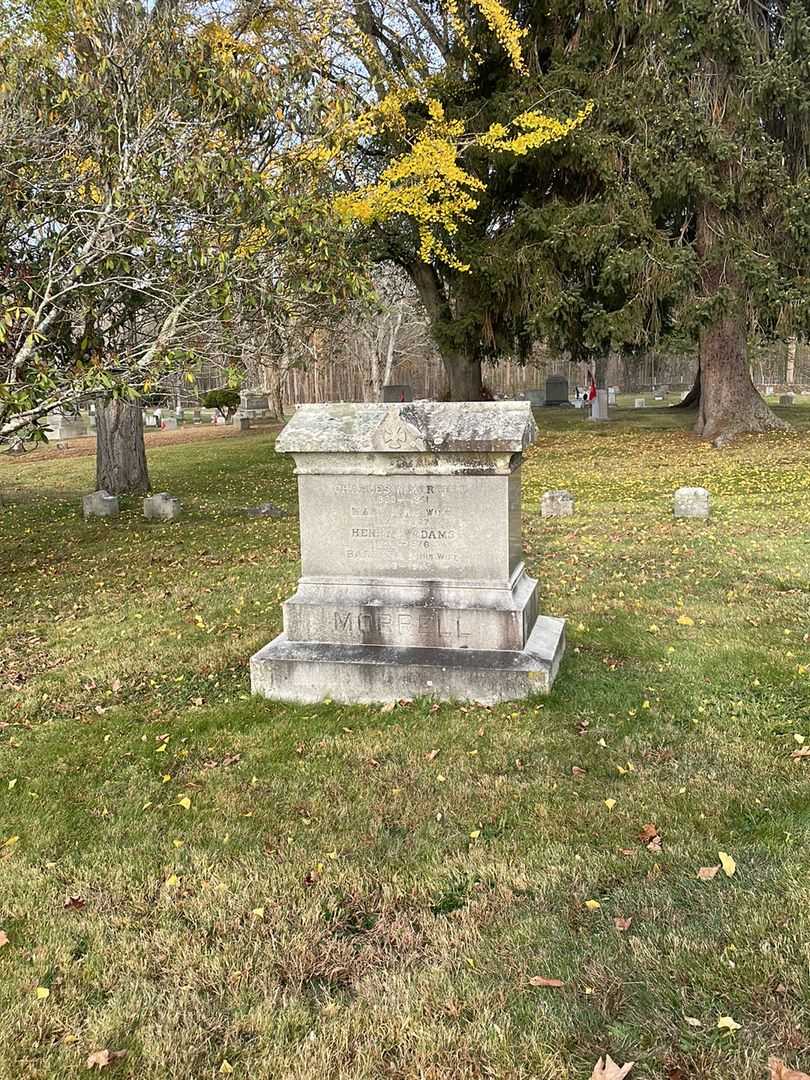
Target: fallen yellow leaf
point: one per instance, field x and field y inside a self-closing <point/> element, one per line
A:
<point x="728" y="864"/>
<point x="726" y="1023"/>
<point x="592" y="905"/>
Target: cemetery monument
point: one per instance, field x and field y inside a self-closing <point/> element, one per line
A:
<point x="557" y="390"/>
<point x="412" y="574"/>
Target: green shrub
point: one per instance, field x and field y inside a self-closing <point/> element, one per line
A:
<point x="225" y="401"/>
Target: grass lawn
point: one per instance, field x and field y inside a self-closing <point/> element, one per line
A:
<point x="214" y="883"/>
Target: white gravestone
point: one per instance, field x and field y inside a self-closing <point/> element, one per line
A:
<point x="161" y="507"/>
<point x="100" y="504"/>
<point x="786" y="399"/>
<point x="599" y="406"/>
<point x="412" y="574"/>
<point x="611" y="395"/>
<point x="61" y="426"/>
<point x="640" y="402"/>
<point x="691" y="502"/>
<point x="557" y="504"/>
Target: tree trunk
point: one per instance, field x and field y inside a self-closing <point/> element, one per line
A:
<point x="790" y="370"/>
<point x="729" y="402"/>
<point x="692" y="399"/>
<point x="120" y="451"/>
<point x="463" y="369"/>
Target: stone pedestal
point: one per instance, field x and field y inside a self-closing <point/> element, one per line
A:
<point x="100" y="504"/>
<point x="413" y="580"/>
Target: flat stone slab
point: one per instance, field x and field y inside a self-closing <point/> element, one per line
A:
<point x="100" y="504"/>
<point x="307" y="672"/>
<point x="411" y="427"/>
<point x="266" y="510"/>
<point x="557" y="504"/>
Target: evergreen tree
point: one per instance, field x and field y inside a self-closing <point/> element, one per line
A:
<point x="683" y="207"/>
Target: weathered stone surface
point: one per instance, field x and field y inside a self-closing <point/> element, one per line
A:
<point x="307" y="672"/>
<point x="162" y="507"/>
<point x="599" y="406"/>
<point x="640" y="402"/>
<point x="266" y="509"/>
<point x="170" y="423"/>
<point x="536" y="398"/>
<point x="410" y="545"/>
<point x="242" y="423"/>
<point x="429" y="427"/>
<point x="397" y="392"/>
<point x="557" y="390"/>
<point x="557" y="504"/>
<point x="611" y="395"/>
<point x="786" y="399"/>
<point x="691" y="502"/>
<point x="100" y="504"/>
<point x="59" y="427"/>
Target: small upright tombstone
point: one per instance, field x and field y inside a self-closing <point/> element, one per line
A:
<point x="62" y="426"/>
<point x="640" y="402"/>
<point x="169" y="423"/>
<point x="161" y="507"/>
<point x="254" y="405"/>
<point x="599" y="406"/>
<point x="557" y="504"/>
<point x="557" y="390"/>
<point x="397" y="392"/>
<point x="412" y="574"/>
<point x="536" y="398"/>
<point x="242" y="423"/>
<point x="100" y="504"/>
<point x="786" y="399"/>
<point x="611" y="395"/>
<point x="691" y="502"/>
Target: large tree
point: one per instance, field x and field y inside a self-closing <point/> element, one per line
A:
<point x="153" y="185"/>
<point x="682" y="207"/>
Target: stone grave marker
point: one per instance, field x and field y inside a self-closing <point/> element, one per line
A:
<point x="536" y="398"/>
<point x="640" y="403"/>
<point x="161" y="507"/>
<point x="61" y="426"/>
<point x="397" y="392"/>
<point x="412" y="574"/>
<point x="786" y="399"/>
<point x="611" y="395"/>
<point x="254" y="405"/>
<point x="557" y="504"/>
<point x="557" y="390"/>
<point x="100" y="504"/>
<point x="691" y="502"/>
<point x="599" y="406"/>
<point x="242" y="423"/>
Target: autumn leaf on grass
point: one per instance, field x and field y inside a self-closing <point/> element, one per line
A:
<point x="74" y="903"/>
<point x="100" y="1059"/>
<point x="780" y="1071"/>
<point x="541" y="980"/>
<point x="728" y="864"/>
<point x="684" y="620"/>
<point x="708" y="873"/>
<point x="797" y="755"/>
<point x="728" y="1023"/>
<point x="3" y="938"/>
<point x="650" y="837"/>
<point x="622" y="924"/>
<point x="609" y="1070"/>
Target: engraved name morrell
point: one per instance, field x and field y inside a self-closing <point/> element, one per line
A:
<point x="439" y="623"/>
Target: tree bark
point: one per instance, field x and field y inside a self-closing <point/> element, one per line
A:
<point x="692" y="399"/>
<point x="463" y="368"/>
<point x="790" y="370"/>
<point x="120" y="451"/>
<point x="729" y="402"/>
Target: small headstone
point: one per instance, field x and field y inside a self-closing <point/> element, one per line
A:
<point x="266" y="509"/>
<point x="691" y="502"/>
<point x="150" y="420"/>
<point x="100" y="504"/>
<point x="611" y="395"/>
<point x="557" y="504"/>
<point x="786" y="399"/>
<point x="397" y="392"/>
<point x="557" y="390"/>
<point x="242" y="423"/>
<point x="768" y="390"/>
<point x="170" y="423"/>
<point x="161" y="507"/>
<point x="219" y="420"/>
<point x="599" y="406"/>
<point x="640" y="402"/>
<point x="536" y="398"/>
<point x="196" y="416"/>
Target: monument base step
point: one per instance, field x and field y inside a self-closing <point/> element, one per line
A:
<point x="310" y="671"/>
